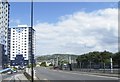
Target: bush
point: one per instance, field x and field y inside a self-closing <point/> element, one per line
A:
<point x="51" y="65"/>
<point x="43" y="64"/>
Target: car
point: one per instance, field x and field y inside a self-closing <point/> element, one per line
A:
<point x="15" y="71"/>
<point x="9" y="72"/>
<point x="20" y="68"/>
<point x="56" y="67"/>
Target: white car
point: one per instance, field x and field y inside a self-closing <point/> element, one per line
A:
<point x="15" y="71"/>
<point x="9" y="72"/>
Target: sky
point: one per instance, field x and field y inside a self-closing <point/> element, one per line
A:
<point x="70" y="27"/>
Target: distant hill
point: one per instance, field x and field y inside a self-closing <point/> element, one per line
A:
<point x="61" y="57"/>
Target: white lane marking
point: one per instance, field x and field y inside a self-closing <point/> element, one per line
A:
<point x="88" y="74"/>
<point x="45" y="79"/>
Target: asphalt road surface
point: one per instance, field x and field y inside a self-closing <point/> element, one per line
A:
<point x="49" y="74"/>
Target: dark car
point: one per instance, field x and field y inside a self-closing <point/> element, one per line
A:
<point x="56" y="67"/>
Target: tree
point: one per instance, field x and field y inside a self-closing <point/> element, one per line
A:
<point x="116" y="58"/>
<point x="95" y="57"/>
<point x="105" y="57"/>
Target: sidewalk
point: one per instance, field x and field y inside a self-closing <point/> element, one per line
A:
<point x="17" y="77"/>
<point x="20" y="77"/>
<point x="100" y="74"/>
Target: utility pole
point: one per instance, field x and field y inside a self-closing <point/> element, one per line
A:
<point x="70" y="60"/>
<point x="57" y="60"/>
<point x="32" y="71"/>
<point x="70" y="63"/>
<point x="53" y="62"/>
<point x="111" y="63"/>
<point x="90" y="65"/>
<point x="80" y="65"/>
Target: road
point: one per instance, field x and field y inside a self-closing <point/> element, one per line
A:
<point x="49" y="74"/>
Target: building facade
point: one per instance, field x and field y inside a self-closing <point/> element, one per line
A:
<point x="4" y="24"/>
<point x="1" y="55"/>
<point x="20" y="45"/>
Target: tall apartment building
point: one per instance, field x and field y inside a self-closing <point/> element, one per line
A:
<point x="20" y="45"/>
<point x="4" y="24"/>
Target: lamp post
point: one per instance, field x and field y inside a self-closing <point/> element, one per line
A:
<point x="32" y="71"/>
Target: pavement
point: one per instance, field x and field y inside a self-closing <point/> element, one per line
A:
<point x="19" y="77"/>
<point x="47" y="74"/>
<point x="101" y="74"/>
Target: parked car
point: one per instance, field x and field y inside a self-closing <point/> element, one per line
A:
<point x="15" y="71"/>
<point x="9" y="72"/>
<point x="56" y="67"/>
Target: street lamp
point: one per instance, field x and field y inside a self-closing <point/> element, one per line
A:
<point x="32" y="71"/>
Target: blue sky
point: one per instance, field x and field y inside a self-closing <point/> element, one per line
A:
<point x="70" y="27"/>
<point x="51" y="11"/>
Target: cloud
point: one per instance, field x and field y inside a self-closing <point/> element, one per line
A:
<point x="79" y="33"/>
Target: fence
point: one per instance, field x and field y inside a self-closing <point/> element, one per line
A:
<point x="94" y="68"/>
